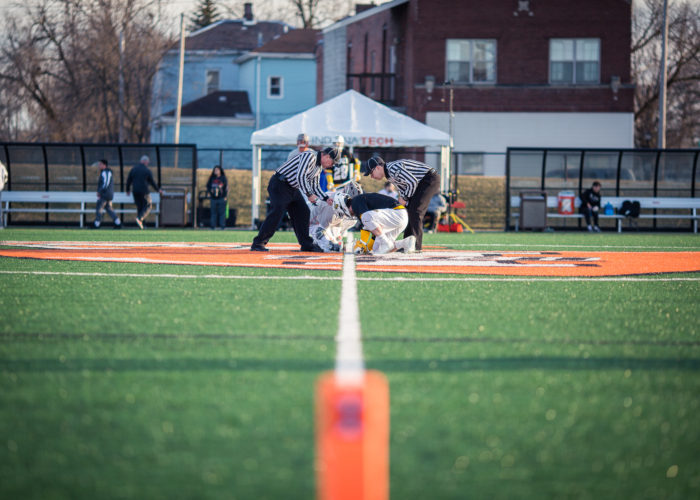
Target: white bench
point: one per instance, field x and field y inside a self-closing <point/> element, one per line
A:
<point x="649" y="203"/>
<point x="86" y="199"/>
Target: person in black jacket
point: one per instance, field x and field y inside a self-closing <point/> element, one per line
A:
<point x="590" y="206"/>
<point x="140" y="176"/>
<point x="105" y="194"/>
<point x="382" y="216"/>
<point x="217" y="187"/>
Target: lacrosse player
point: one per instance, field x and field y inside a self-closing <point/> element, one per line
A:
<point x="382" y="216"/>
<point x="328" y="227"/>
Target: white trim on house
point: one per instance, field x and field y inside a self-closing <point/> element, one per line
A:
<point x="207" y="121"/>
<point x="275" y="55"/>
<point x="269" y="87"/>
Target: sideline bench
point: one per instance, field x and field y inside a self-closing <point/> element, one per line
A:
<point x="649" y="203"/>
<point x="86" y="199"/>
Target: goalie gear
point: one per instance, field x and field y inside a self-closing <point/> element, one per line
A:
<point x="340" y="205"/>
<point x="365" y="244"/>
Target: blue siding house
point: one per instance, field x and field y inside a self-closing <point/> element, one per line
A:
<point x="239" y="76"/>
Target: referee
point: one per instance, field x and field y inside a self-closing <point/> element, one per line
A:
<point x="416" y="182"/>
<point x="298" y="175"/>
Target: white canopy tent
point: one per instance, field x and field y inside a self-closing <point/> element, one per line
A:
<point x="361" y="121"/>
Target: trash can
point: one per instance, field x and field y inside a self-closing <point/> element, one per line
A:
<point x="566" y="202"/>
<point x="533" y="210"/>
<point x="173" y="207"/>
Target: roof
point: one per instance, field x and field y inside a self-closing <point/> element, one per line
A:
<point x="294" y="41"/>
<point x="362" y="121"/>
<point x="234" y="35"/>
<point x="364" y="14"/>
<point x="223" y="103"/>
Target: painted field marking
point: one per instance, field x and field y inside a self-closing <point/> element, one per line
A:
<point x="504" y="246"/>
<point x="650" y="277"/>
<point x="352" y="411"/>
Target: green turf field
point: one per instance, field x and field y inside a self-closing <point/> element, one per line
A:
<point x="199" y="387"/>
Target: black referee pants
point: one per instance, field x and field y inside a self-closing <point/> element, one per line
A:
<point x="428" y="187"/>
<point x="285" y="198"/>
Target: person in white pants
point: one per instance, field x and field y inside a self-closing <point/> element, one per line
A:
<point x="381" y="215"/>
<point x="327" y="227"/>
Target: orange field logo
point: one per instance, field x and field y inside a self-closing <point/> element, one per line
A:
<point x="435" y="260"/>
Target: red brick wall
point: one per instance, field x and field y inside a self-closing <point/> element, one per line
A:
<point x="421" y="28"/>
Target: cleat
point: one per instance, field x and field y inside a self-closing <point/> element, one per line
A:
<point x="139" y="223"/>
<point x="258" y="248"/>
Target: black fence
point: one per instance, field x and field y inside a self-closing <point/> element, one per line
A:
<point x="73" y="167"/>
<point x="621" y="172"/>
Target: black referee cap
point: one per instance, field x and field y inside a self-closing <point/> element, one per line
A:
<point x="332" y="152"/>
<point x="367" y="166"/>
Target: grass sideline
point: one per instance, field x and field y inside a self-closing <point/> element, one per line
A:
<point x="123" y="387"/>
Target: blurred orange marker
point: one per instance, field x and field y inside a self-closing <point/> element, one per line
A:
<point x="352" y="438"/>
<point x="352" y="411"/>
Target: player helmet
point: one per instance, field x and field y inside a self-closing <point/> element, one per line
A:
<point x="340" y="205"/>
<point x="339" y="141"/>
<point x="352" y="189"/>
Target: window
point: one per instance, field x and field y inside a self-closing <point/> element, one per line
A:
<point x="574" y="60"/>
<point x="471" y="61"/>
<point x="212" y="81"/>
<point x="274" y="87"/>
<point x="470" y="164"/>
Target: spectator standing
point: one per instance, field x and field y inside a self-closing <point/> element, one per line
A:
<point x="302" y="146"/>
<point x="416" y="182"/>
<point x="217" y="187"/>
<point x="140" y="176"/>
<point x="590" y="206"/>
<point x="105" y="195"/>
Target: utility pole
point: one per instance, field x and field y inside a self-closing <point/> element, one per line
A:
<point x="661" y="142"/>
<point x="178" y="109"/>
<point x="121" y="87"/>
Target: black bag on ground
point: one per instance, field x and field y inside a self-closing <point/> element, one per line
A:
<point x="630" y="209"/>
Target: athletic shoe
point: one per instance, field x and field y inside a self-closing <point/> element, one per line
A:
<point x="407" y="245"/>
<point x="258" y="248"/>
<point x="590" y="229"/>
<point x="312" y="248"/>
<point x="596" y="229"/>
<point x="96" y="225"/>
<point x="139" y="223"/>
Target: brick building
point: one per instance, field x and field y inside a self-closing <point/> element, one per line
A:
<point x="550" y="73"/>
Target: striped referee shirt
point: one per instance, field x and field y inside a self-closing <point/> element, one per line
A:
<point x="303" y="172"/>
<point x="405" y="175"/>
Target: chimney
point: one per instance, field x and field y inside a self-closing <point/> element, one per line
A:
<point x="248" y="11"/>
<point x="361" y="7"/>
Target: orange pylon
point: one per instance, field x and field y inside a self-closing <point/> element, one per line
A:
<point x="352" y="438"/>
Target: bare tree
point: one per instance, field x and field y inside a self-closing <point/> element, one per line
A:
<point x="300" y="13"/>
<point x="62" y="59"/>
<point x="683" y="86"/>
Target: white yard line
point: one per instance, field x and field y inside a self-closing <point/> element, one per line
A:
<point x="349" y="363"/>
<point x="423" y="278"/>
<point x="506" y="246"/>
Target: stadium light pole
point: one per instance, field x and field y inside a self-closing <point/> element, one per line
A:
<point x="661" y="142"/>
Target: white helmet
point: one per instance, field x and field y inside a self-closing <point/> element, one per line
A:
<point x="339" y="140"/>
<point x="340" y="205"/>
<point x="352" y="189"/>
